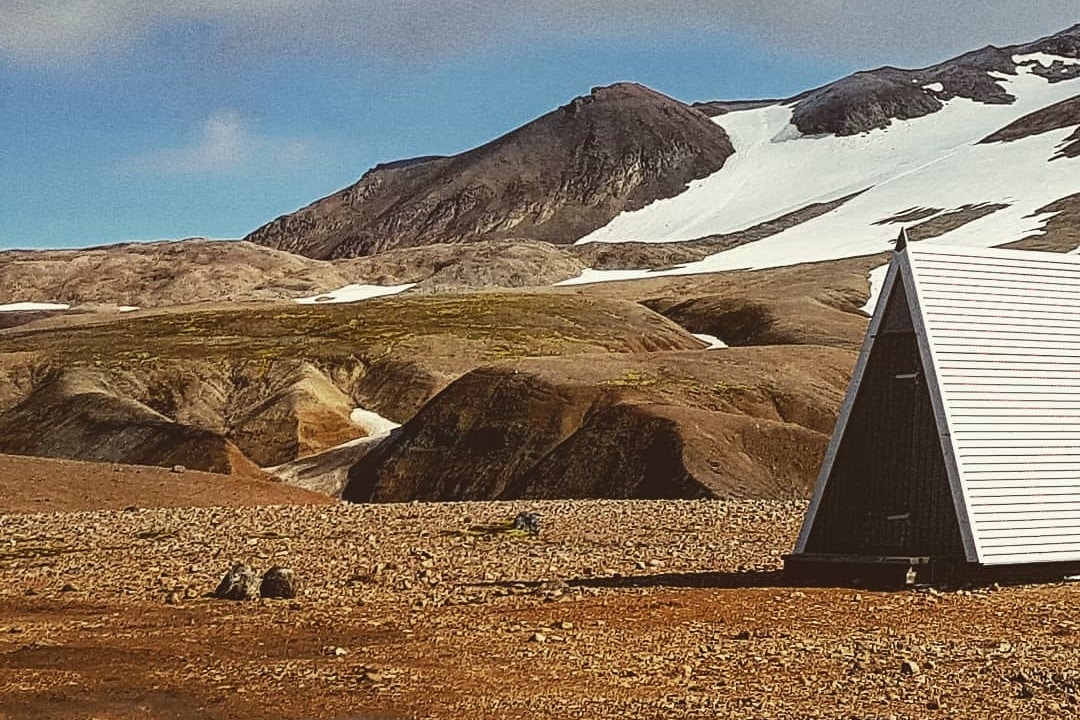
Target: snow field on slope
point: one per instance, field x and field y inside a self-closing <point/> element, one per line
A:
<point x="877" y="281"/>
<point x="26" y="306"/>
<point x="933" y="161"/>
<point x="353" y="293"/>
<point x="714" y="342"/>
<point x="372" y="422"/>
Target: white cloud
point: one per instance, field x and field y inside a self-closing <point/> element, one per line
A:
<point x="50" y="31"/>
<point x="224" y="143"/>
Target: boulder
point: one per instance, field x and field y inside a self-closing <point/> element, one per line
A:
<point x="527" y="521"/>
<point x="279" y="582"/>
<point x="240" y="583"/>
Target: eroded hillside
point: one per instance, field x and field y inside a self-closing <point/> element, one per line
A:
<point x="577" y="392"/>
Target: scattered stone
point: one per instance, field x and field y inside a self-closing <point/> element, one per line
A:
<point x="279" y="582"/>
<point x="240" y="583"/>
<point x="527" y="521"/>
<point x="179" y="469"/>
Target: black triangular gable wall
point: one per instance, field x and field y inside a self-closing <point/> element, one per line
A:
<point x="888" y="490"/>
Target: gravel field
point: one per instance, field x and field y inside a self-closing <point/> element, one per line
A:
<point x="617" y="609"/>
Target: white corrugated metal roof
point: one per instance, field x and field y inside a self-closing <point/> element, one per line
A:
<point x="1002" y="328"/>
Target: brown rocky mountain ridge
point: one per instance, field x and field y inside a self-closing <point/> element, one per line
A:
<point x="554" y="179"/>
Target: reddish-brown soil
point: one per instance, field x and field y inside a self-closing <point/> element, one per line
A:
<point x="33" y="485"/>
<point x="617" y="610"/>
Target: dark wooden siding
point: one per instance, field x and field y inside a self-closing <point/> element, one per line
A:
<point x="888" y="492"/>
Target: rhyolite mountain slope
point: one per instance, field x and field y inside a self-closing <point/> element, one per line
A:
<point x="556" y="179"/>
<point x="970" y="151"/>
<point x="627" y="165"/>
<point x="568" y="392"/>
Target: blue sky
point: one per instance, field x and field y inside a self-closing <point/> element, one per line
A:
<point x="127" y="119"/>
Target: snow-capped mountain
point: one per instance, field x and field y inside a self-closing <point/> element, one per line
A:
<point x="976" y="172"/>
<point x="979" y="150"/>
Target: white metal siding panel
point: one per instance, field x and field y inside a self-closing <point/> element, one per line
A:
<point x="1003" y="328"/>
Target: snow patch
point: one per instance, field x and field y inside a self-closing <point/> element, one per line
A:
<point x="374" y="424"/>
<point x="1044" y="59"/>
<point x="934" y="87"/>
<point x="354" y="293"/>
<point x="714" y="342"/>
<point x="877" y="280"/>
<point x="29" y="306"/>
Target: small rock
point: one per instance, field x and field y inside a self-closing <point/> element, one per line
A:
<point x="527" y="521"/>
<point x="68" y="587"/>
<point x="538" y="637"/>
<point x="172" y="598"/>
<point x="179" y="469"/>
<point x="279" y="582"/>
<point x="240" y="583"/>
<point x="909" y="667"/>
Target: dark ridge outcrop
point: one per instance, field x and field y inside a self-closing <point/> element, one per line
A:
<point x="472" y="440"/>
<point x="622" y="451"/>
<point x="873" y="99"/>
<point x="1058" y="116"/>
<point x="554" y="179"/>
<point x="747" y="422"/>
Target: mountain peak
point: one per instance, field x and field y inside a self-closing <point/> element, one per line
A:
<point x="623" y="90"/>
<point x="556" y="178"/>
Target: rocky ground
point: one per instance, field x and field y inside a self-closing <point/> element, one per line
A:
<point x="617" y="609"/>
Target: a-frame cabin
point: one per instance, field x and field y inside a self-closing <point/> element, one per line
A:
<point x="957" y="448"/>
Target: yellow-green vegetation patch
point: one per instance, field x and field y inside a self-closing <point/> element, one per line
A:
<point x="632" y="378"/>
<point x="491" y="326"/>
